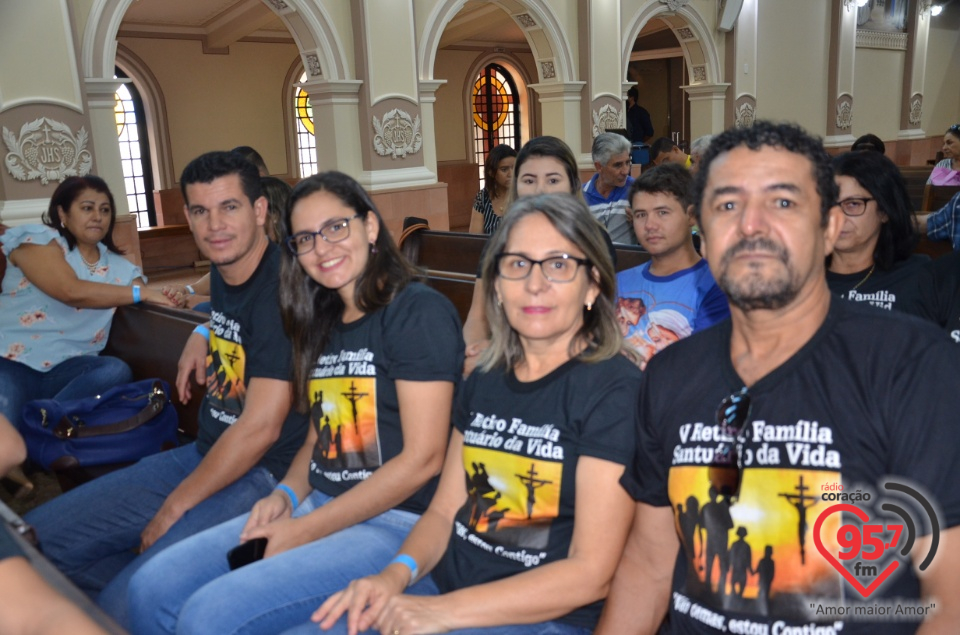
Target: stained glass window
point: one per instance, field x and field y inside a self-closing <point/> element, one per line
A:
<point x="496" y="112"/>
<point x="306" y="134"/>
<point x="134" y="154"/>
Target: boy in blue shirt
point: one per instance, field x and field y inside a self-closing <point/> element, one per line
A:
<point x="675" y="287"/>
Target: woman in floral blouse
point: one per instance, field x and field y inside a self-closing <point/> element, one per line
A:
<point x="63" y="280"/>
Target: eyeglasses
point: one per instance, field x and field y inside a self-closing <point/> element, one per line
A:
<point x="562" y="268"/>
<point x="332" y="232"/>
<point x="726" y="468"/>
<point x="855" y="205"/>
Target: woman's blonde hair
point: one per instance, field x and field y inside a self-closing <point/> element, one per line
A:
<point x="599" y="336"/>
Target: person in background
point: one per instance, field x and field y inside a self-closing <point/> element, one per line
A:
<point x="606" y="192"/>
<point x="873" y="259"/>
<point x="947" y="171"/>
<point x="63" y="280"/>
<point x="639" y="125"/>
<point x="697" y="148"/>
<point x="944" y="224"/>
<point x="869" y="142"/>
<point x="544" y="165"/>
<point x="665" y="150"/>
<point x="518" y="539"/>
<point x="253" y="157"/>
<point x="492" y="199"/>
<point x="676" y="287"/>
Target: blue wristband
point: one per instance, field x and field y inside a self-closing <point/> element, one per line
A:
<point x="203" y="330"/>
<point x="136" y="294"/>
<point x="190" y="290"/>
<point x="286" y="489"/>
<point x="408" y="562"/>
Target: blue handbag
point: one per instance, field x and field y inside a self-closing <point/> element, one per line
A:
<point x="122" y="425"/>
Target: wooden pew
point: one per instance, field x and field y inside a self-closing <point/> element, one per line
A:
<point x="451" y="259"/>
<point x="915" y="177"/>
<point x="936" y="196"/>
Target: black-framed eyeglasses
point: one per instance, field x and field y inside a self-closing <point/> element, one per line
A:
<point x="562" y="268"/>
<point x="855" y="205"/>
<point x="332" y="232"/>
<point x="726" y="469"/>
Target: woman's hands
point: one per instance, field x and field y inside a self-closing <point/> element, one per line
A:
<point x="378" y="602"/>
<point x="160" y="298"/>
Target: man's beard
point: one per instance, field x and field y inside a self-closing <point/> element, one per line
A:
<point x="751" y="292"/>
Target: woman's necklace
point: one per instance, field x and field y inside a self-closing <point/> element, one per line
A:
<point x="92" y="266"/>
<point x="865" y="278"/>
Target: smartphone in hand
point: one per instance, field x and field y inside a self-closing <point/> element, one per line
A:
<point x="247" y="552"/>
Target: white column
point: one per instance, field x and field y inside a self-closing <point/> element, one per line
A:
<point x="336" y="113"/>
<point x="707" y="103"/>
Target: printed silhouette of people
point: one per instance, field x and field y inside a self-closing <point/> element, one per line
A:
<point x="494" y="516"/>
<point x="532" y="483"/>
<point x="478" y="487"/>
<point x="715" y="519"/>
<point x="326" y="438"/>
<point x="338" y="443"/>
<point x="741" y="563"/>
<point x="766" y="570"/>
<point x="689" y="521"/>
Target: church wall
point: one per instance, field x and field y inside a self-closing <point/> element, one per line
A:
<point x="878" y="81"/>
<point x="793" y="52"/>
<point x="217" y="102"/>
<point x="941" y="99"/>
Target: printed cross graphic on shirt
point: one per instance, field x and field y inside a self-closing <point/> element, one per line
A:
<point x="226" y="389"/>
<point x="343" y="411"/>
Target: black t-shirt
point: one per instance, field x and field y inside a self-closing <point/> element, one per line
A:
<point x="247" y="341"/>
<point x="8" y="545"/>
<point x="945" y="272"/>
<point x="521" y="447"/>
<point x="902" y="288"/>
<point x="353" y="392"/>
<point x="861" y="401"/>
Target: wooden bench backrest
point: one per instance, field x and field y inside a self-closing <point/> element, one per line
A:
<point x="915" y="178"/>
<point x="936" y="196"/>
<point x="150" y="339"/>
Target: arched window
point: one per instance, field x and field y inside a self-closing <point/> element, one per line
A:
<point x="496" y="112"/>
<point x="306" y="139"/>
<point x="134" y="153"/>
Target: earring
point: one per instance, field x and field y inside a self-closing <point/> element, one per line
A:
<point x="589" y="306"/>
<point x="499" y="303"/>
<point x="373" y="248"/>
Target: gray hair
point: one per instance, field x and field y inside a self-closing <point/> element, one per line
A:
<point x="599" y="331"/>
<point x="700" y="144"/>
<point x="608" y="144"/>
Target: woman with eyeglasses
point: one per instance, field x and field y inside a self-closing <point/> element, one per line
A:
<point x="873" y="259"/>
<point x="529" y="519"/>
<point x="376" y="359"/>
<point x="947" y="171"/>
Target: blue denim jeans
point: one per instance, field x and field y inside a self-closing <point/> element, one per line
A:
<point x="74" y="378"/>
<point x="92" y="533"/>
<point x="190" y="589"/>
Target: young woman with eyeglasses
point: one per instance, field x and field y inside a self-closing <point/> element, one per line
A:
<point x="376" y="360"/>
<point x="529" y="520"/>
<point x="873" y="259"/>
<point x="947" y="171"/>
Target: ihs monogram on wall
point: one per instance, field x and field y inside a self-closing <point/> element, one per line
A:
<point x="46" y="150"/>
<point x="607" y="119"/>
<point x="398" y="135"/>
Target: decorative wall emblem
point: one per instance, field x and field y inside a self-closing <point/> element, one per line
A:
<point x="675" y="5"/>
<point x="313" y="64"/>
<point x="279" y="5"/>
<point x="398" y="135"/>
<point x="844" y="113"/>
<point x="526" y="20"/>
<point x="547" y="70"/>
<point x="745" y="115"/>
<point x="916" y="110"/>
<point x="700" y="73"/>
<point x="686" y="33"/>
<point x="46" y="150"/>
<point x="607" y="118"/>
<point x="881" y="40"/>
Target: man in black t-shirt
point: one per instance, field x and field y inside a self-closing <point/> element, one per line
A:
<point x="772" y="415"/>
<point x="248" y="434"/>
<point x="639" y="125"/>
